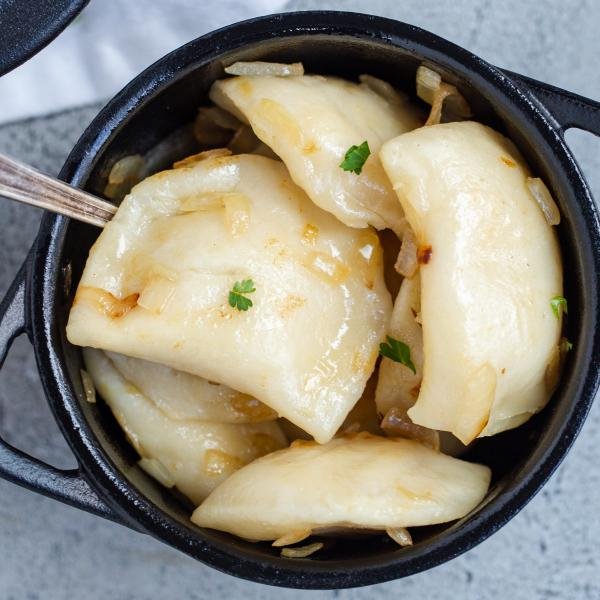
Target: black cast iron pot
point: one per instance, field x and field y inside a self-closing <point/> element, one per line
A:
<point x="161" y="100"/>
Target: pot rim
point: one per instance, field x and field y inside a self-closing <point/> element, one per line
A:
<point x="101" y="472"/>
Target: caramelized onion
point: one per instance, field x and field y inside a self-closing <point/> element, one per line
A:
<point x="435" y="92"/>
<point x="302" y="551"/>
<point x="542" y="196"/>
<point x="125" y="173"/>
<point x="88" y="386"/>
<point x="407" y="263"/>
<point x="265" y="69"/>
<point x="400" y="535"/>
<point x="397" y="423"/>
<point x="243" y="141"/>
<point x="213" y="126"/>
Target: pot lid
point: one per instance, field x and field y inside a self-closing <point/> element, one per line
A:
<point x="29" y="25"/>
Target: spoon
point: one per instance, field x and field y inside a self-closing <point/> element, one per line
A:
<point x="23" y="183"/>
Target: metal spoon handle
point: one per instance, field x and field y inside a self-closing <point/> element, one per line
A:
<point x="24" y="184"/>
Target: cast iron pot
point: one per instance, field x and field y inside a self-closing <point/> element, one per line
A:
<point x="161" y="100"/>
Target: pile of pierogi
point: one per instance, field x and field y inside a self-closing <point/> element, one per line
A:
<point x="303" y="326"/>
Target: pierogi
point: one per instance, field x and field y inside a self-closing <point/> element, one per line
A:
<point x="310" y="122"/>
<point x="192" y="454"/>
<point x="490" y="265"/>
<point x="359" y="481"/>
<point x="157" y="281"/>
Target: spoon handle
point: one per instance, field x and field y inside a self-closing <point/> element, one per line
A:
<point x="24" y="184"/>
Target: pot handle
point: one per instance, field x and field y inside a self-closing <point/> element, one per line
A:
<point x="567" y="109"/>
<point x="68" y="486"/>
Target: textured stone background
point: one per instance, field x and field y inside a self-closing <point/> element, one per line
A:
<point x="550" y="550"/>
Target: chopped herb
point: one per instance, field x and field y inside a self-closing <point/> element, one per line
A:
<point x="355" y="158"/>
<point x="566" y="345"/>
<point x="397" y="351"/>
<point x="237" y="299"/>
<point x="559" y="306"/>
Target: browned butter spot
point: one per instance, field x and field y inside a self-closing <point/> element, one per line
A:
<point x="263" y="444"/>
<point x="509" y="162"/>
<point x="105" y="302"/>
<point x="217" y="462"/>
<point x="310" y="147"/>
<point x="251" y="409"/>
<point x="424" y="254"/>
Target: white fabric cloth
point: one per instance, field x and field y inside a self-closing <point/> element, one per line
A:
<point x="107" y="45"/>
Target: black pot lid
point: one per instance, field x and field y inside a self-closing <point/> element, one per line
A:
<point x="27" y="26"/>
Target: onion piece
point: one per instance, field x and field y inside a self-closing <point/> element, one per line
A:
<point x="244" y="141"/>
<point x="302" y="551"/>
<point x="397" y="423"/>
<point x="407" y="263"/>
<point x="156" y="294"/>
<point x="221" y="118"/>
<point x="292" y="538"/>
<point x="156" y="469"/>
<point x="384" y="89"/>
<point x="435" y="92"/>
<point x="213" y="126"/>
<point x="543" y="197"/>
<point x="268" y="69"/>
<point x="88" y="386"/>
<point x="124" y="174"/>
<point x="400" y="535"/>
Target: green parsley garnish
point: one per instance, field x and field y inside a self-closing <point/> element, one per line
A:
<point x="356" y="157"/>
<point x="559" y="306"/>
<point x="397" y="351"/>
<point x="237" y="299"/>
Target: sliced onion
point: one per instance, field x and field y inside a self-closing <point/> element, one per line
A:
<point x="397" y="423"/>
<point x="156" y="469"/>
<point x="428" y="83"/>
<point x="125" y="173"/>
<point x="302" y="551"/>
<point x="400" y="535"/>
<point x="292" y="538"/>
<point x="213" y="126"/>
<point x="266" y="69"/>
<point x="407" y="262"/>
<point x="244" y="141"/>
<point x="88" y="386"/>
<point x="384" y="89"/>
<point x="435" y="92"/>
<point x="542" y="196"/>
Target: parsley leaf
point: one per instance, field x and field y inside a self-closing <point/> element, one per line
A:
<point x="397" y="351"/>
<point x="237" y="299"/>
<point x="356" y="157"/>
<point x="559" y="306"/>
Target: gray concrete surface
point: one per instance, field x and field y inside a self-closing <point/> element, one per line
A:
<point x="550" y="550"/>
